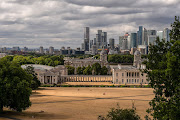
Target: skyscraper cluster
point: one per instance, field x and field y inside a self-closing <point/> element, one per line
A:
<point x="99" y="42"/>
<point x="142" y="38"/>
<point x="136" y="40"/>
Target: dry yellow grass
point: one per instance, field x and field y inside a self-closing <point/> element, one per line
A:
<point x="81" y="103"/>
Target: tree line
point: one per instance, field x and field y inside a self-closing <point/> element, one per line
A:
<point x="120" y="58"/>
<point x="43" y="60"/>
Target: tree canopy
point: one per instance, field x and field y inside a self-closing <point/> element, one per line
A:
<point x="120" y="58"/>
<point x="35" y="83"/>
<point x="121" y="114"/>
<point x="43" y="60"/>
<point x="14" y="86"/>
<point x="163" y="69"/>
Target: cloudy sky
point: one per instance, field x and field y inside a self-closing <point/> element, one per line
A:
<point x="58" y="23"/>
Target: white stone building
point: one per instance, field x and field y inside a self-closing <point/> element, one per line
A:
<point x="48" y="74"/>
<point x="76" y="62"/>
<point x="128" y="74"/>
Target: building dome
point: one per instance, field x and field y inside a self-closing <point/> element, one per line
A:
<point x="137" y="52"/>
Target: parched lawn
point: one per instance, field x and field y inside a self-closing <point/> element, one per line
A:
<point x="70" y="103"/>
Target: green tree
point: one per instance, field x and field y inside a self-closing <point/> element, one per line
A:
<point x="96" y="67"/>
<point x="88" y="70"/>
<point x="14" y="86"/>
<point x="120" y="58"/>
<point x="104" y="70"/>
<point x="121" y="114"/>
<point x="79" y="71"/>
<point x="35" y="83"/>
<point x="70" y="70"/>
<point x="163" y="68"/>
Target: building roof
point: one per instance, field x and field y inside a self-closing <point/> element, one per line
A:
<point x="124" y="67"/>
<point x="36" y="66"/>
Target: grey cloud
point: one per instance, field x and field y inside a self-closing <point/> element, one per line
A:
<point x="57" y="23"/>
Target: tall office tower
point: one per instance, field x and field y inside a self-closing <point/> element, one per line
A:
<point x="86" y="38"/>
<point x="111" y="43"/>
<point x="151" y="39"/>
<point x="5" y="50"/>
<point x="129" y="42"/>
<point x="133" y="40"/>
<point x="98" y="39"/>
<point x="25" y="49"/>
<point x="121" y="41"/>
<point x="94" y="41"/>
<point x="166" y="34"/>
<point x="83" y="46"/>
<point x="90" y="44"/>
<point x="1" y="50"/>
<point x="16" y="48"/>
<point x="104" y="39"/>
<point x="51" y="50"/>
<point x="125" y="42"/>
<point x="140" y="35"/>
<point x="145" y="37"/>
<point x="151" y="32"/>
<point x="41" y="50"/>
<point x="160" y="35"/>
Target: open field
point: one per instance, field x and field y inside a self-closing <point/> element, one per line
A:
<point x="80" y="103"/>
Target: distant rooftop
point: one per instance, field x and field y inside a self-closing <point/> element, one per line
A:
<point x="38" y="67"/>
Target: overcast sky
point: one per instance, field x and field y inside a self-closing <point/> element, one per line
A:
<point x="58" y="23"/>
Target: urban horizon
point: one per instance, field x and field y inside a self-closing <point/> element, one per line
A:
<point x="60" y="23"/>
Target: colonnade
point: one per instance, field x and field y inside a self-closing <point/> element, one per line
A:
<point x="85" y="78"/>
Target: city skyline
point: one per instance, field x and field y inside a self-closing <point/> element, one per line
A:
<point x="61" y="23"/>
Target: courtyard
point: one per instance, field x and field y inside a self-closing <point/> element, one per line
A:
<point x="80" y="103"/>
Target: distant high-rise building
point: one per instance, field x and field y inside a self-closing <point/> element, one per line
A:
<point x="91" y="43"/>
<point x="151" y="32"/>
<point x="16" y="48"/>
<point x="101" y="39"/>
<point x="151" y="39"/>
<point x="140" y="35"/>
<point x="1" y="50"/>
<point x="83" y="46"/>
<point x="121" y="41"/>
<point x="25" y="49"/>
<point x="133" y="40"/>
<point x="98" y="39"/>
<point x="125" y="42"/>
<point x="111" y="43"/>
<point x="129" y="42"/>
<point x="94" y="41"/>
<point x="160" y="35"/>
<point x="104" y="39"/>
<point x="41" y="50"/>
<point x="86" y="38"/>
<point x="166" y="34"/>
<point x="5" y="50"/>
<point x="145" y="37"/>
<point x="51" y="50"/>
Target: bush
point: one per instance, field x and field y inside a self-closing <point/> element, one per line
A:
<point x="121" y="114"/>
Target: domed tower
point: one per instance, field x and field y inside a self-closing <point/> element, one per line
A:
<point x="137" y="59"/>
<point x="103" y="56"/>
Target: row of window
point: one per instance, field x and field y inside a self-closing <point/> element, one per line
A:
<point x="130" y="81"/>
<point x="130" y="74"/>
